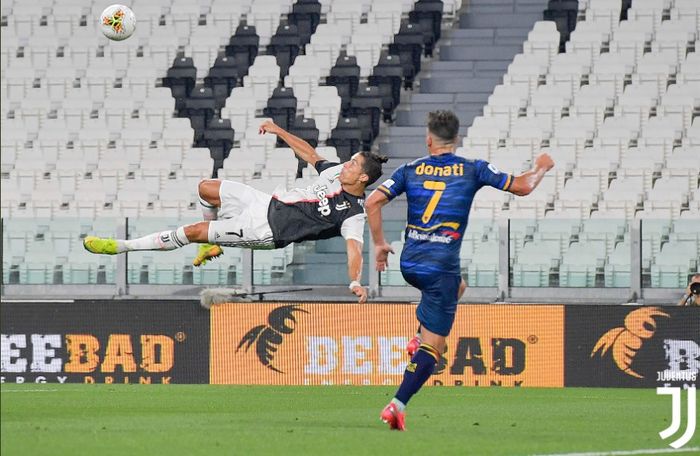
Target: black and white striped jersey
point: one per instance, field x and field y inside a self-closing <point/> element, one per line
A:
<point x="320" y="211"/>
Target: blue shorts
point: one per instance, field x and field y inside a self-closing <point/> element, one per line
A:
<point x="438" y="303"/>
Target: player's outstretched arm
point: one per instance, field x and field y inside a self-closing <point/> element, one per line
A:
<point x="300" y="147"/>
<point x="355" y="269"/>
<point x="525" y="183"/>
<point x="373" y="208"/>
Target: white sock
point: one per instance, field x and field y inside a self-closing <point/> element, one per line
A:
<point x="209" y="212"/>
<point x="399" y="405"/>
<point x="164" y="240"/>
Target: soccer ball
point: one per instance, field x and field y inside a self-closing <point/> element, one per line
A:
<point x="117" y="22"/>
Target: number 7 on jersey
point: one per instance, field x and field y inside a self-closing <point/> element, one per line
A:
<point x="438" y="187"/>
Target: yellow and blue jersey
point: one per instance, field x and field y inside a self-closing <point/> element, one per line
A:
<point x="440" y="190"/>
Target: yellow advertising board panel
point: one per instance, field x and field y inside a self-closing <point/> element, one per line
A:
<point x="361" y="344"/>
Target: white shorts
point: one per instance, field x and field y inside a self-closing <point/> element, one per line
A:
<point x="242" y="220"/>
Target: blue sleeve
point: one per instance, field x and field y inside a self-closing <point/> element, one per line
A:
<point x="395" y="185"/>
<point x="488" y="174"/>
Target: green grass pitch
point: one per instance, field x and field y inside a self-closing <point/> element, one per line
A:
<point x="212" y="420"/>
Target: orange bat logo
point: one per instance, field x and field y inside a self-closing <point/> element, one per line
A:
<point x="267" y="338"/>
<point x="626" y="342"/>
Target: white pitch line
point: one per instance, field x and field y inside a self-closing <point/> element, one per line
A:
<point x="628" y="452"/>
<point x="28" y="391"/>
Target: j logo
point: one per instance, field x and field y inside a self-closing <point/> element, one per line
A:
<point x="676" y="394"/>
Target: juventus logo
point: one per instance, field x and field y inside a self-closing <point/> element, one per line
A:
<point x="676" y="399"/>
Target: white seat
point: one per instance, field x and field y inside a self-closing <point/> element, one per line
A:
<point x="140" y="80"/>
<point x="679" y="102"/>
<point x="511" y="160"/>
<point x="324" y="108"/>
<point x="592" y="102"/>
<point x="641" y="158"/>
<point x="637" y="100"/>
<point x="303" y="77"/>
<point x="203" y="52"/>
<point x="371" y="33"/>
<point x="647" y="11"/>
<point x="625" y="189"/>
<point x="670" y="189"/>
<point x="686" y="11"/>
<point x="331" y="30"/>
<point x="604" y="11"/>
<point x="543" y="39"/>
<point x="386" y="15"/>
<point x="509" y="95"/>
<point x="631" y="38"/>
<point x="568" y="69"/>
<point x="263" y="77"/>
<point x="623" y="127"/>
<point x="526" y="70"/>
<point x="663" y="127"/>
<point x="673" y="36"/>
<point x="240" y="109"/>
<point x="587" y="40"/>
<point x="656" y="68"/>
<point x="326" y="48"/>
<point x="548" y="102"/>
<point x="683" y="158"/>
<point x="612" y="69"/>
<point x="484" y="127"/>
<point x="605" y="159"/>
<point x="349" y="13"/>
<point x="367" y="54"/>
<point x="265" y="16"/>
<point x="531" y="129"/>
<point x="228" y="13"/>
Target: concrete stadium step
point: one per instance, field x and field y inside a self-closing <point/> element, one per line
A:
<point x="450" y="84"/>
<point x="467" y="68"/>
<point x="418" y="117"/>
<point x="482" y="20"/>
<point x="402" y="151"/>
<point x="472" y="60"/>
<point x="403" y="132"/>
<point x="420" y="100"/>
<point x="504" y="53"/>
<point x="410" y="133"/>
<point x="506" y="6"/>
<point x="485" y="37"/>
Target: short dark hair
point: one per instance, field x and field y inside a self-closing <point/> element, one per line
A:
<point x="373" y="165"/>
<point x="443" y="124"/>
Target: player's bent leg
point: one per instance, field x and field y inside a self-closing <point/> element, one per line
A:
<point x="414" y="343"/>
<point x="209" y="194"/>
<point x="417" y="372"/>
<point x="210" y="202"/>
<point x="162" y="240"/>
<point x="462" y="289"/>
<point x="434" y="340"/>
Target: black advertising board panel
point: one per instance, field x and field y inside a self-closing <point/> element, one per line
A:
<point x="631" y="346"/>
<point x="150" y="342"/>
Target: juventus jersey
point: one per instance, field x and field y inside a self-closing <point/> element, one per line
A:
<point x="320" y="211"/>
